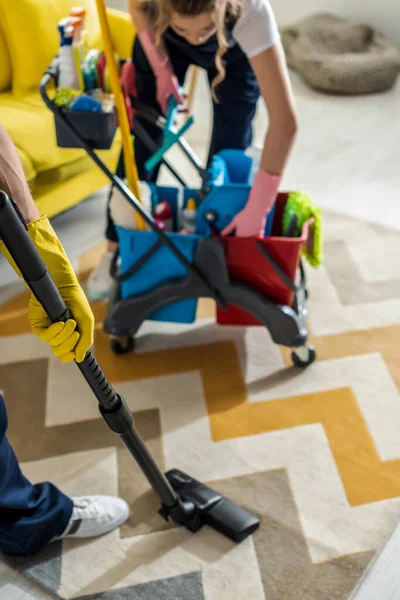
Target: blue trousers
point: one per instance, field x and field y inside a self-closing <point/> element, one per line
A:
<point x="30" y="515"/>
<point x="233" y="113"/>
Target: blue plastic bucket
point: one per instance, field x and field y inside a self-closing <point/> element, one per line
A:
<point x="161" y="267"/>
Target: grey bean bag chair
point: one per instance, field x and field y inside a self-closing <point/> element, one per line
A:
<point x="339" y="56"/>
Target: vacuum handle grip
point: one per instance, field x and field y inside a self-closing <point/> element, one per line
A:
<point x="15" y="236"/>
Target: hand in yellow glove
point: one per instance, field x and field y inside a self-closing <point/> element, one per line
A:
<point x="70" y="340"/>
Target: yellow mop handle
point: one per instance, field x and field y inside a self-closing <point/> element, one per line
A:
<point x="123" y="120"/>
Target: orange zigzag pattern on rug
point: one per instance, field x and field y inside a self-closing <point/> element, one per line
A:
<point x="365" y="477"/>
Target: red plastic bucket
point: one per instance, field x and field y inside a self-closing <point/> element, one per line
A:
<point x="246" y="262"/>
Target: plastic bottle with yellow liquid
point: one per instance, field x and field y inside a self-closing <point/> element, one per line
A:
<point x="188" y="217"/>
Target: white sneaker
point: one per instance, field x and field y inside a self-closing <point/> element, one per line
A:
<point x="93" y="516"/>
<point x="100" y="281"/>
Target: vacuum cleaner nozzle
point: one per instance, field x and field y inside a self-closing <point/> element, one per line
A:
<point x="210" y="508"/>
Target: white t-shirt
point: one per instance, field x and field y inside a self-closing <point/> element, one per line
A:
<point x="256" y="29"/>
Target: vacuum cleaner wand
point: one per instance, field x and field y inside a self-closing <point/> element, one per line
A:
<point x="184" y="499"/>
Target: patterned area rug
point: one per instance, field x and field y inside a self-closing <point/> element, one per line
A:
<point x="315" y="454"/>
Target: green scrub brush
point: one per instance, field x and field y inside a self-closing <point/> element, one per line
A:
<point x="301" y="205"/>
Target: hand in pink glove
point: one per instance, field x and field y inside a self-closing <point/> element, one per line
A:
<point x="250" y="222"/>
<point x="166" y="80"/>
<point x="128" y="84"/>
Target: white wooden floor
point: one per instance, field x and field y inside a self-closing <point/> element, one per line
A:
<point x="382" y="580"/>
<point x="347" y="156"/>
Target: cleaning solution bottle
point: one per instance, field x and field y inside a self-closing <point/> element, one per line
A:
<point x="67" y="77"/>
<point x="80" y="12"/>
<point x="163" y="215"/>
<point x="188" y="217"/>
<point x="77" y="48"/>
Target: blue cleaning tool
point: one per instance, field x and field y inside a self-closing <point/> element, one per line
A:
<point x="171" y="136"/>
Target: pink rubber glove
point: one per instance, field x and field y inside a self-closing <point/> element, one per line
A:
<point x="166" y="80"/>
<point x="250" y="222"/>
<point x="128" y="84"/>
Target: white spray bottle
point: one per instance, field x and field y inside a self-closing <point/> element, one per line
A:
<point x="67" y="76"/>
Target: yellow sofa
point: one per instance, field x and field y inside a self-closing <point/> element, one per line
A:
<point x="59" y="178"/>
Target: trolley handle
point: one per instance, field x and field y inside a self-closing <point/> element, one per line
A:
<point x="50" y="74"/>
<point x="15" y="237"/>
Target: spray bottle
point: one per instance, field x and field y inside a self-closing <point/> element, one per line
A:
<point x="80" y="12"/>
<point x="67" y="77"/>
<point x="77" y="48"/>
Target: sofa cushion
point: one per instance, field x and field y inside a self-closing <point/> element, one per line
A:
<point x="31" y="127"/>
<point x="30" y="30"/>
<point x="5" y="64"/>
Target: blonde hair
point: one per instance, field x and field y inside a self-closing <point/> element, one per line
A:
<point x="163" y="10"/>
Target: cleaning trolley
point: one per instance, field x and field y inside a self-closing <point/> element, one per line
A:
<point x="162" y="271"/>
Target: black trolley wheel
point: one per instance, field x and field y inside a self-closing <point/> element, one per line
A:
<point x="304" y="356"/>
<point x="122" y="345"/>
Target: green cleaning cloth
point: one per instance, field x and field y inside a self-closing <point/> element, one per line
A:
<point x="304" y="208"/>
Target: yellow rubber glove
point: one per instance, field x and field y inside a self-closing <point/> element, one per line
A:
<point x="66" y="342"/>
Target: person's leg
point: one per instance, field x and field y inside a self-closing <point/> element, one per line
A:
<point x="146" y="90"/>
<point x="30" y="515"/>
<point x="236" y="107"/>
<point x="100" y="282"/>
<point x="34" y="515"/>
<point x="111" y="232"/>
